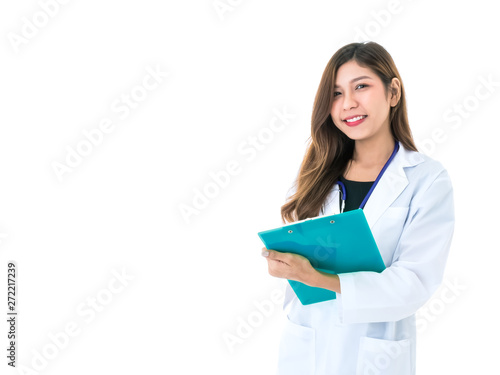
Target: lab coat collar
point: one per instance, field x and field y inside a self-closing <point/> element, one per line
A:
<point x="391" y="184"/>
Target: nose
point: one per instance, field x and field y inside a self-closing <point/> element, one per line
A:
<point x="349" y="101"/>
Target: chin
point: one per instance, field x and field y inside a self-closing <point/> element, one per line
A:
<point x="355" y="136"/>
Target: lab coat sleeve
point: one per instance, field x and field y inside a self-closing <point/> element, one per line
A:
<point x="417" y="268"/>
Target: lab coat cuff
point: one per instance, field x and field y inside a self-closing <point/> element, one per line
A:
<point x="346" y="300"/>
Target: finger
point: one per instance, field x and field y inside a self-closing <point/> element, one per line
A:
<point x="277" y="268"/>
<point x="270" y="254"/>
<point x="278" y="261"/>
<point x="276" y="256"/>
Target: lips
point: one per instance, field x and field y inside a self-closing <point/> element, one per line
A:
<point x="354" y="120"/>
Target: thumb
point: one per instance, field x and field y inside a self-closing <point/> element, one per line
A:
<point x="267" y="252"/>
<point x="270" y="254"/>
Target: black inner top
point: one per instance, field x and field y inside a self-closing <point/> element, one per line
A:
<point x="355" y="191"/>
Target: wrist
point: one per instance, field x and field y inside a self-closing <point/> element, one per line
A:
<point x="320" y="279"/>
<point x="311" y="278"/>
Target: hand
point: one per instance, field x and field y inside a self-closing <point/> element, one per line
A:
<point x="288" y="265"/>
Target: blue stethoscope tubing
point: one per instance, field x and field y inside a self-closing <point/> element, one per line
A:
<point x="342" y="186"/>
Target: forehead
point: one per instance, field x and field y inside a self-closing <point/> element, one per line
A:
<point x="350" y="72"/>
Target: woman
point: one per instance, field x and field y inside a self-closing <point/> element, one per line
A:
<point x="360" y="125"/>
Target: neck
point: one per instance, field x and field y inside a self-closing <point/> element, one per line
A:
<point x="373" y="152"/>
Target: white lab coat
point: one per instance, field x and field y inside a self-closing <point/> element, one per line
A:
<point x="370" y="328"/>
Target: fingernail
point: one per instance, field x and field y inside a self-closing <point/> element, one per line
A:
<point x="265" y="253"/>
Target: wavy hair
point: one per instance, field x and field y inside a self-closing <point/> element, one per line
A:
<point x="329" y="149"/>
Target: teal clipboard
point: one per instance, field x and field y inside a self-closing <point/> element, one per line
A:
<point x="335" y="244"/>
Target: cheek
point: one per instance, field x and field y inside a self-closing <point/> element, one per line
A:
<point x="374" y="101"/>
<point x="334" y="112"/>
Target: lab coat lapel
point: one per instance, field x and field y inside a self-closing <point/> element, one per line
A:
<point x="331" y="206"/>
<point x="391" y="184"/>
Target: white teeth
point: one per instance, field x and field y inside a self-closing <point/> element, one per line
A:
<point x="355" y="118"/>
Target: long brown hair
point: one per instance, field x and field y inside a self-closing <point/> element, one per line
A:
<point x="329" y="150"/>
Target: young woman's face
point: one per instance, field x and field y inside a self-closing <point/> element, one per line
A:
<point x="360" y="106"/>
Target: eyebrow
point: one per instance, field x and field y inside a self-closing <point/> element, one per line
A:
<point x="354" y="80"/>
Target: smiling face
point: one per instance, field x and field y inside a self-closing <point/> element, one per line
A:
<point x="361" y="106"/>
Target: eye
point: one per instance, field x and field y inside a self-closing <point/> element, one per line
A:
<point x="362" y="84"/>
<point x="336" y="93"/>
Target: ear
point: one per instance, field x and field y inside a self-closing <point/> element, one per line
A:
<point x="395" y="91"/>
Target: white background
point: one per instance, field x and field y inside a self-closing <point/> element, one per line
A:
<point x="195" y="281"/>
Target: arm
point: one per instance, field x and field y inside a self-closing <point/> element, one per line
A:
<point x="402" y="288"/>
<point x="296" y="267"/>
<point x="417" y="267"/>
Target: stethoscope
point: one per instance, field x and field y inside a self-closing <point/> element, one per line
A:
<point x="343" y="193"/>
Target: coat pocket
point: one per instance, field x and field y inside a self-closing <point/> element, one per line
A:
<point x="384" y="357"/>
<point x="296" y="351"/>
